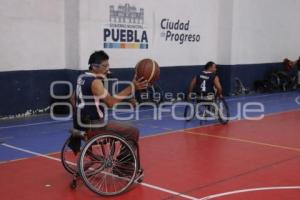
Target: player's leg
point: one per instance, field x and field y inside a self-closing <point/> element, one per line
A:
<point x="130" y="133"/>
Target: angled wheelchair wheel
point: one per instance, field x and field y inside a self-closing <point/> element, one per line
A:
<point x="69" y="158"/>
<point x="223" y="111"/>
<point x="108" y="165"/>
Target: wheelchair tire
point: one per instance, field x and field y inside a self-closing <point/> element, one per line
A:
<point x="104" y="167"/>
<point x="68" y="159"/>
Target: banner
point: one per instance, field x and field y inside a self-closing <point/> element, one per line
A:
<point x="173" y="35"/>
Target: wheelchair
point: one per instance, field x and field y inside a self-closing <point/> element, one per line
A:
<point x="107" y="163"/>
<point x="207" y="105"/>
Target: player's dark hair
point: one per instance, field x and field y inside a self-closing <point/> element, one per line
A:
<point x="208" y="65"/>
<point x="97" y="58"/>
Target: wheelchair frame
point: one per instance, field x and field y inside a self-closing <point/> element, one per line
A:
<point x="213" y="100"/>
<point x="107" y="165"/>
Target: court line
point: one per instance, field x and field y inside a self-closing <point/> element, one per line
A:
<point x="64" y="121"/>
<point x="49" y="122"/>
<point x="33" y="124"/>
<point x="67" y="121"/>
<point x="164" y="133"/>
<point x="252" y="171"/>
<point x="30" y="152"/>
<point x="212" y="124"/>
<point x="245" y="141"/>
<point x="143" y="184"/>
<point x="174" y="131"/>
<point x="160" y="188"/>
<point x="214" y="196"/>
<point x="163" y="189"/>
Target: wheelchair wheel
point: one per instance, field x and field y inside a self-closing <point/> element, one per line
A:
<point x="69" y="158"/>
<point x="189" y="111"/>
<point x="223" y="111"/>
<point x="108" y="165"/>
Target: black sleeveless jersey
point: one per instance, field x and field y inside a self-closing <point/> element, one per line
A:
<point x="86" y="104"/>
<point x="205" y="82"/>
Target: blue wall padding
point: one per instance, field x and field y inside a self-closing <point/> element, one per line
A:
<point x="250" y="73"/>
<point x="30" y="90"/>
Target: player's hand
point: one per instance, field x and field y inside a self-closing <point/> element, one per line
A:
<point x="140" y="84"/>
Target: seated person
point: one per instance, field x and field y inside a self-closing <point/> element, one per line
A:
<point x="90" y="92"/>
<point x="289" y="76"/>
<point x="205" y="82"/>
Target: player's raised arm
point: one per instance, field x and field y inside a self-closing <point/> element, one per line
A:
<point x="100" y="92"/>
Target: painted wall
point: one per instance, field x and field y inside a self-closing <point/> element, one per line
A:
<point x="95" y="17"/>
<point x="31" y="34"/>
<point x="265" y="31"/>
<point x="53" y="40"/>
<point x="62" y="33"/>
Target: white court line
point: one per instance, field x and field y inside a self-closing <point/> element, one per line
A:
<point x="214" y="196"/>
<point x="186" y="129"/>
<point x="30" y="152"/>
<point x="145" y="137"/>
<point x="62" y="121"/>
<point x="33" y="124"/>
<point x="143" y="184"/>
<point x="49" y="122"/>
<point x="212" y="124"/>
<point x="183" y="130"/>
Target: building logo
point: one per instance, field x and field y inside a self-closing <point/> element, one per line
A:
<point x="178" y="31"/>
<point x="126" y="14"/>
<point x="126" y="28"/>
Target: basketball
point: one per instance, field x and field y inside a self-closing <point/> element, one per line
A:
<point x="149" y="69"/>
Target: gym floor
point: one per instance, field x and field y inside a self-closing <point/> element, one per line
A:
<point x="245" y="159"/>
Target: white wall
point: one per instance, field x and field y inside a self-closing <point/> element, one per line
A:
<point x="224" y="38"/>
<point x="71" y="39"/>
<point x="265" y="31"/>
<point x="31" y="34"/>
<point x="39" y="34"/>
<point x="94" y="17"/>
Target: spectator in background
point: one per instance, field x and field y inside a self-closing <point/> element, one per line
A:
<point x="291" y="71"/>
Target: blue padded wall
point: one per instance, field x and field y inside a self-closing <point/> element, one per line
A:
<point x="30" y="90"/>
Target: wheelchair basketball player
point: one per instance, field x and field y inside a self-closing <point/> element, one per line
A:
<point x="205" y="83"/>
<point x="206" y="88"/>
<point x="90" y="92"/>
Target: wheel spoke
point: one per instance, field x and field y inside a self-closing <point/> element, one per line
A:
<point x="109" y="167"/>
